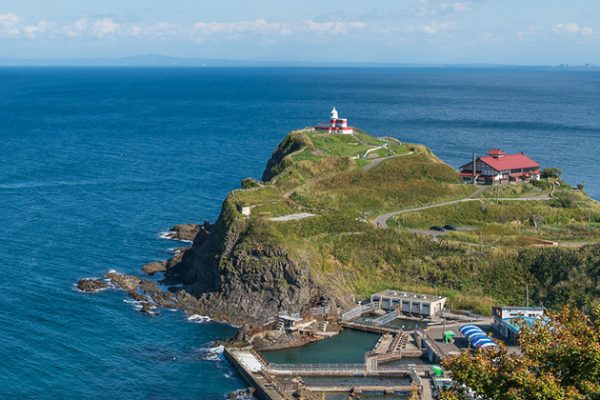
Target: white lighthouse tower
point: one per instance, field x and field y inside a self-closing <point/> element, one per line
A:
<point x="334" y="115"/>
<point x="337" y="124"/>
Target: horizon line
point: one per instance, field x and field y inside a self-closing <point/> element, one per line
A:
<point x="157" y="60"/>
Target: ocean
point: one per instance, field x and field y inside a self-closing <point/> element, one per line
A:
<point x="96" y="163"/>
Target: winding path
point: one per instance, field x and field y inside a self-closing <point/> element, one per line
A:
<point x="378" y="161"/>
<point x="381" y="220"/>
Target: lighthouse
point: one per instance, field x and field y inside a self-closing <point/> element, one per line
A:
<point x="336" y="125"/>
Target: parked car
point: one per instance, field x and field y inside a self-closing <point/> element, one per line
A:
<point x="437" y="228"/>
<point x="449" y="227"/>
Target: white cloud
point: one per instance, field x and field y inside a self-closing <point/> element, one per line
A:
<point x="434" y="27"/>
<point x="572" y="29"/>
<point x="236" y="28"/>
<point x="41" y="28"/>
<point x="334" y="27"/>
<point x="105" y="27"/>
<point x="76" y="29"/>
<point x="14" y="27"/>
<point x="262" y="26"/>
<point x="457" y="7"/>
<point x="9" y="25"/>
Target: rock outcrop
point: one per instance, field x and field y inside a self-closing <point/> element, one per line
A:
<point x="185" y="232"/>
<point x="91" y="285"/>
<point x="240" y="279"/>
<point x="154" y="267"/>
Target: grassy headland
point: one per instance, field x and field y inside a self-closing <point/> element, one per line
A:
<point x="345" y="181"/>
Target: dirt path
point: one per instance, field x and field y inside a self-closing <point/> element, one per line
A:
<point x="381" y="220"/>
<point x="292" y="217"/>
<point x="378" y="161"/>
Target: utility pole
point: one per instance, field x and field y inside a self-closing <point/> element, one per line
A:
<point x="527" y="293"/>
<point x="498" y="195"/>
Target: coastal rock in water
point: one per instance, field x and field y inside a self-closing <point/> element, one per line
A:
<point x="147" y="308"/>
<point x="125" y="282"/>
<point x="185" y="232"/>
<point x="91" y="285"/>
<point x="154" y="267"/>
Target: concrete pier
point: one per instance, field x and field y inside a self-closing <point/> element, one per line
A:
<point x="251" y="367"/>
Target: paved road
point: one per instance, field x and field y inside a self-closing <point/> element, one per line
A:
<point x="381" y="220"/>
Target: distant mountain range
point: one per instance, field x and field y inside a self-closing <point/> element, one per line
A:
<point x="157" y="60"/>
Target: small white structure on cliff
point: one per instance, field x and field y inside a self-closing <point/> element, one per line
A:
<point x="336" y="125"/>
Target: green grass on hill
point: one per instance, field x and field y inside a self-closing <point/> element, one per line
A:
<point x="316" y="173"/>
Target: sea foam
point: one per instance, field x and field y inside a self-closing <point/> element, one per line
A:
<point x="199" y="319"/>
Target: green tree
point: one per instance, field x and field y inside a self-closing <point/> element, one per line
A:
<point x="551" y="173"/>
<point x="560" y="360"/>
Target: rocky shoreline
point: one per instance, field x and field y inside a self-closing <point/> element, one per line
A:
<point x="151" y="297"/>
<point x="184" y="232"/>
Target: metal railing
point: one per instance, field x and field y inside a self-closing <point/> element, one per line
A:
<point x="317" y="368"/>
<point x="384" y="319"/>
<point x="360" y="310"/>
<point x="338" y="369"/>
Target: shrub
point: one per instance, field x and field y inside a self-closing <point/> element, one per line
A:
<point x="551" y="173"/>
<point x="563" y="200"/>
<point x="249" y="183"/>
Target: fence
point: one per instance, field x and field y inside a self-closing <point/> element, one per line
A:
<point x="360" y="310"/>
<point x="384" y="319"/>
<point x="335" y="369"/>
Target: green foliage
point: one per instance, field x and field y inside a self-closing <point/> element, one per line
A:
<point x="475" y="269"/>
<point x="564" y="276"/>
<point x="551" y="172"/>
<point x="249" y="183"/>
<point x="560" y="360"/>
<point x="563" y="200"/>
<point x="292" y="143"/>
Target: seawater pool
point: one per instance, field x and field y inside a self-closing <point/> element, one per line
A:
<point x="347" y="347"/>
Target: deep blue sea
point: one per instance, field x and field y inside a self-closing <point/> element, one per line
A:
<point x="95" y="163"/>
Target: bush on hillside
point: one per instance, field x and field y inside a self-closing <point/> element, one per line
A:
<point x="551" y="173"/>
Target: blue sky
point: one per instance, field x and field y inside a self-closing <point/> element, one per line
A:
<point x="528" y="32"/>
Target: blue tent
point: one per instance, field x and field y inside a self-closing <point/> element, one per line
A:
<point x="492" y="344"/>
<point x="465" y="327"/>
<point x="481" y="340"/>
<point x="471" y="331"/>
<point x="474" y="339"/>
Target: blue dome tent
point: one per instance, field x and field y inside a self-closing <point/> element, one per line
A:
<point x="465" y="327"/>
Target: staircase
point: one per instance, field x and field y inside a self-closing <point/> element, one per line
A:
<point x="322" y="326"/>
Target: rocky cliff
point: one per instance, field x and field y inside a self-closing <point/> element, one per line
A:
<point x="237" y="273"/>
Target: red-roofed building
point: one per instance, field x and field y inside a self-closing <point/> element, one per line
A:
<point x="498" y="167"/>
